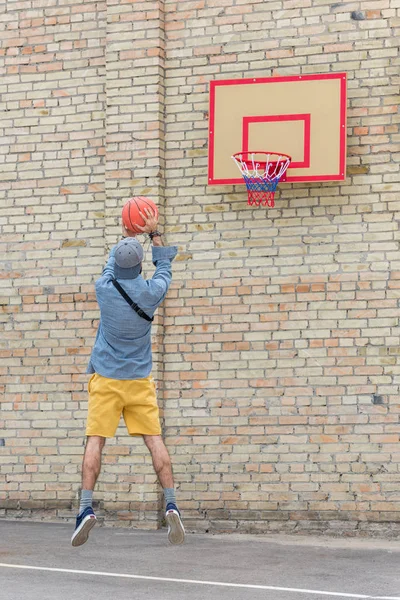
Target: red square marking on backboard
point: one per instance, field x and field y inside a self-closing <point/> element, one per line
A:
<point x="306" y="118"/>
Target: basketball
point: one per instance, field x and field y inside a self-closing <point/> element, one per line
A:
<point x="131" y="212"/>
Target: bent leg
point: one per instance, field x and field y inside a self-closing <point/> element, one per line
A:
<point x="163" y="468"/>
<point x="91" y="465"/>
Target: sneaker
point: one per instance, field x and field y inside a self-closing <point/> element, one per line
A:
<point x="176" y="531"/>
<point x="84" y="523"/>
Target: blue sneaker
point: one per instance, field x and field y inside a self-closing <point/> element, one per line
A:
<point x="84" y="523"/>
<point x="176" y="531"/>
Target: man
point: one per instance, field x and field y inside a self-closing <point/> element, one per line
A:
<point x="121" y="363"/>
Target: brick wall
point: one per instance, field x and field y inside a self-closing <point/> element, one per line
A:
<point x="277" y="349"/>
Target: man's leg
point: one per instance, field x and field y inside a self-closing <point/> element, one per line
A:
<point x="90" y="471"/>
<point x="161" y="460"/>
<point x="91" y="464"/>
<point x="163" y="468"/>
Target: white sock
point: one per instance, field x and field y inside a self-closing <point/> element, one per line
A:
<point x="86" y="500"/>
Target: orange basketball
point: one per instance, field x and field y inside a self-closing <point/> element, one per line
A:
<point x="130" y="213"/>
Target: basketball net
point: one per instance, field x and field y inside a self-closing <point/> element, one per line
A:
<point x="262" y="176"/>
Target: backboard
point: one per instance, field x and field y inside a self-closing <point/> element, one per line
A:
<point x="303" y="116"/>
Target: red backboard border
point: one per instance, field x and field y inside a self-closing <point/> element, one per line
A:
<point x="341" y="176"/>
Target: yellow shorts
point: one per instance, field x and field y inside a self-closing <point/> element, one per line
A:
<point x="135" y="399"/>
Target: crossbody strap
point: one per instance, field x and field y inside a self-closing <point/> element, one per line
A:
<point x="131" y="303"/>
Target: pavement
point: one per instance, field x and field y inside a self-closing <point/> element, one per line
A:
<point x="37" y="562"/>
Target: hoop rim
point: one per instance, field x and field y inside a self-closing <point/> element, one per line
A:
<point x="247" y="152"/>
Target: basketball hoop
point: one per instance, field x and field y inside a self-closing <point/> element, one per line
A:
<point x="262" y="171"/>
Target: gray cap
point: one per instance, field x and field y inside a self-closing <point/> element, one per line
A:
<point x="128" y="259"/>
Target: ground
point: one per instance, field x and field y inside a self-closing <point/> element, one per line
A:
<point x="140" y="565"/>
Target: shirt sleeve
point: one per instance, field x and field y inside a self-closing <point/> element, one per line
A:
<point x="157" y="286"/>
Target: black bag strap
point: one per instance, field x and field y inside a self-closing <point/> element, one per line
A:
<point x="131" y="303"/>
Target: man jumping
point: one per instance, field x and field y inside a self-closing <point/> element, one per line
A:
<point x="121" y="363"/>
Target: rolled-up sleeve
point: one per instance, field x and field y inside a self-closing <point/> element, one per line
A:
<point x="164" y="253"/>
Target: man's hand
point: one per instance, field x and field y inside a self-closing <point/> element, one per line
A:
<point x="150" y="221"/>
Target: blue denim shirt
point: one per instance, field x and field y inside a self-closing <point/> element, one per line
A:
<point x="122" y="349"/>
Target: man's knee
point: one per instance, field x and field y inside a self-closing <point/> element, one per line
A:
<point x="157" y="448"/>
<point x="95" y="442"/>
<point x="153" y="442"/>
